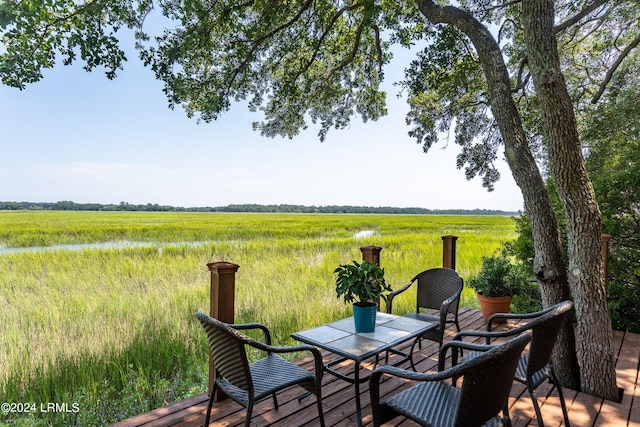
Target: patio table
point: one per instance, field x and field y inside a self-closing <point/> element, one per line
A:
<point x="340" y="338"/>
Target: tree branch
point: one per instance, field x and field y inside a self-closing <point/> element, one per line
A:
<point x="520" y="83"/>
<point x="603" y="86"/>
<point x="376" y="29"/>
<point x="335" y="17"/>
<point x="260" y="40"/>
<point x="352" y="54"/>
<point x="577" y="17"/>
<point x="46" y="31"/>
<point x="488" y="10"/>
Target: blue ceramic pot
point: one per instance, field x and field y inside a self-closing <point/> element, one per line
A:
<point x="365" y="316"/>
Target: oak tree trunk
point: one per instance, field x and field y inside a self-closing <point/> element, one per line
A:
<point x="586" y="273"/>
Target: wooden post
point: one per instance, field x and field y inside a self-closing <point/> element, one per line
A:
<point x="372" y="255"/>
<point x="221" y="304"/>
<point x="449" y="251"/>
<point x="605" y="256"/>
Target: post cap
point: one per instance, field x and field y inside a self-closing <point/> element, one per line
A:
<point x="223" y="267"/>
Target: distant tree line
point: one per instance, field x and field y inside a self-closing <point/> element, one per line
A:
<point x="283" y="208"/>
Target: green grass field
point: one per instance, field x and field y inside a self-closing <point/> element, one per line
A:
<point x="112" y="329"/>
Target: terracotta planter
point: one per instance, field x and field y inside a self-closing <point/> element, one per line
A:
<point x="492" y="305"/>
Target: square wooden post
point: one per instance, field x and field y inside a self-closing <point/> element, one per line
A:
<point x="449" y="251"/>
<point x="372" y="255"/>
<point x="221" y="304"/>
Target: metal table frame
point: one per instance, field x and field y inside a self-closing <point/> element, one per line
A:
<point x="340" y="338"/>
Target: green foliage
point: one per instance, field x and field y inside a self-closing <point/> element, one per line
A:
<point x="613" y="135"/>
<point x="528" y="299"/>
<point x="361" y="282"/>
<point x="500" y="277"/>
<point x="318" y="61"/>
<point x="446" y="85"/>
<point x="623" y="300"/>
<point x="522" y="247"/>
<point x="34" y="32"/>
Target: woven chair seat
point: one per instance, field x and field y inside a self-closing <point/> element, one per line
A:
<point x="269" y="375"/>
<point x="410" y="402"/>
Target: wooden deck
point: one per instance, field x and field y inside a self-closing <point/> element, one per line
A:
<point x="339" y="402"/>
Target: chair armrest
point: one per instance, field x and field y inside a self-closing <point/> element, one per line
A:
<point x="393" y="294"/>
<point x="406" y="374"/>
<point x="250" y="326"/>
<point x="444" y="307"/>
<point x="517" y="316"/>
<point x="457" y="345"/>
<point x="489" y="335"/>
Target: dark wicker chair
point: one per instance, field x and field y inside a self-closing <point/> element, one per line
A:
<point x="535" y="367"/>
<point x="247" y="383"/>
<point x="486" y="383"/>
<point x="438" y="289"/>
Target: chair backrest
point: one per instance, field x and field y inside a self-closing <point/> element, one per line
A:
<point x="227" y="347"/>
<point x="544" y="332"/>
<point x="435" y="286"/>
<point x="487" y="382"/>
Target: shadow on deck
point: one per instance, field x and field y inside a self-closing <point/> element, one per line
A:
<point x="339" y="401"/>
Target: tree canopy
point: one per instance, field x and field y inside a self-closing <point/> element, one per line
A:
<point x="321" y="62"/>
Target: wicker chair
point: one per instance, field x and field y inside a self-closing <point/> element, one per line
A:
<point x="438" y="289"/>
<point x="486" y="383"/>
<point x="247" y="383"/>
<point x="535" y="367"/>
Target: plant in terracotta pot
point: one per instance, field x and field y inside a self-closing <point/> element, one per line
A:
<point x="496" y="283"/>
<point x="362" y="284"/>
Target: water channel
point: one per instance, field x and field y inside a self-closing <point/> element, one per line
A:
<point x="123" y="244"/>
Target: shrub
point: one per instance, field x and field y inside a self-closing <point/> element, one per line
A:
<point x="499" y="276"/>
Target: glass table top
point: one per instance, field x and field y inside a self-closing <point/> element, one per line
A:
<point x="340" y="337"/>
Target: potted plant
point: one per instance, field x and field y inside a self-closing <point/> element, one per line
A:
<point x="499" y="279"/>
<point x="362" y="284"/>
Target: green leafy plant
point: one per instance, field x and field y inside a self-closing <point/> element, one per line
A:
<point x="361" y="282"/>
<point x="500" y="277"/>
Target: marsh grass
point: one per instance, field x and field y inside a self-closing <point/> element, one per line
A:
<point x="114" y="329"/>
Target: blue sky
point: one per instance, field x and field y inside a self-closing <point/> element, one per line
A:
<point x="81" y="137"/>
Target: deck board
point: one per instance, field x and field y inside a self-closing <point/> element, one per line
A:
<point x="339" y="400"/>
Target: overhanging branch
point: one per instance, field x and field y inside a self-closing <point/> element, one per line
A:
<point x="577" y="17"/>
<point x="257" y="43"/>
<point x="603" y="86"/>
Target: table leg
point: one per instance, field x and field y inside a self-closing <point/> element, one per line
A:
<point x="357" y="384"/>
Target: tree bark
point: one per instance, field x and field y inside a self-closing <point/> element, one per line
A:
<point x="584" y="229"/>
<point x="549" y="264"/>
